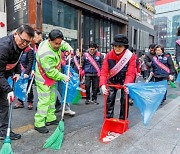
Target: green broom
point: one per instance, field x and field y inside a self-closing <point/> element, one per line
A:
<point x="55" y="140"/>
<point x="6" y="148"/>
<point x="172" y="84"/>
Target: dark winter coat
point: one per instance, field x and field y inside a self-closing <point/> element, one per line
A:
<point x="127" y="73"/>
<point x="9" y="54"/>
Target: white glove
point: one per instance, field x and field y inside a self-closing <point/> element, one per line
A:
<point x="171" y="77"/>
<point x="11" y="97"/>
<point x="16" y="77"/>
<point x="26" y="76"/>
<point x="126" y="90"/>
<point x="32" y="73"/>
<point x="67" y="78"/>
<point x="104" y="90"/>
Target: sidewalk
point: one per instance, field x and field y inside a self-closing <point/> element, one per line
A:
<point x="161" y="136"/>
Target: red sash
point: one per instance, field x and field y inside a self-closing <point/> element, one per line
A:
<point x="123" y="61"/>
<point x="76" y="62"/>
<point x="161" y="65"/>
<point x="11" y="66"/>
<point x="93" y="62"/>
<point x="48" y="81"/>
<point x="63" y="61"/>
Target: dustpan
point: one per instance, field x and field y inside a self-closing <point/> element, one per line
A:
<point x="83" y="91"/>
<point x="114" y="125"/>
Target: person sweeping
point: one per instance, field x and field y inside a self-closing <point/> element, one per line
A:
<point x="11" y="49"/>
<point x="55" y="140"/>
<point x="47" y="73"/>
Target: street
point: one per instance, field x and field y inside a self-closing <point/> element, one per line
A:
<point x="81" y="131"/>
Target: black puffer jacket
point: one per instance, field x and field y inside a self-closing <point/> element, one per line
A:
<point x="9" y="54"/>
<point x="148" y="60"/>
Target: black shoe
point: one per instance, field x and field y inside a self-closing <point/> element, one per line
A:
<point x="13" y="136"/>
<point x="95" y="102"/>
<point x="131" y="102"/>
<point x="58" y="109"/>
<point x="55" y="122"/>
<point x="42" y="130"/>
<point x="87" y="102"/>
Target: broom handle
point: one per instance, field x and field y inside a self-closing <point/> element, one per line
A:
<point x="10" y="118"/>
<point x="10" y="113"/>
<point x="65" y="95"/>
<point x="29" y="87"/>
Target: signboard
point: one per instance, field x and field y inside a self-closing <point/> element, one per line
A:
<point x="133" y="3"/>
<point x="17" y="11"/>
<point x="3" y="24"/>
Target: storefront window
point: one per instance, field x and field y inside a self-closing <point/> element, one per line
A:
<point x="100" y="31"/>
<point x="63" y="16"/>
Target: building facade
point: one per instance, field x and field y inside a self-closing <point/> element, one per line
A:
<point x="83" y="21"/>
<point x="3" y="19"/>
<point x="167" y="20"/>
<point x="141" y="25"/>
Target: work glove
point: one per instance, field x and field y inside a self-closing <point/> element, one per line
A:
<point x="11" y="97"/>
<point x="16" y="77"/>
<point x="32" y="73"/>
<point x="126" y="90"/>
<point x="104" y="90"/>
<point x="67" y="78"/>
<point x="171" y="77"/>
<point x="26" y="76"/>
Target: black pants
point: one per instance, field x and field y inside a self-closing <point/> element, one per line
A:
<point x="111" y="102"/>
<point x="94" y="80"/>
<point x="4" y="108"/>
<point x="155" y="79"/>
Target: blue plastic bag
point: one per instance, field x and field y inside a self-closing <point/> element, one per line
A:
<point x="72" y="85"/>
<point x="10" y="81"/>
<point x="21" y="88"/>
<point x="147" y="97"/>
<point x="178" y="78"/>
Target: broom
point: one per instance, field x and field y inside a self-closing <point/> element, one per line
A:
<point x="55" y="140"/>
<point x="6" y="148"/>
<point x="172" y="84"/>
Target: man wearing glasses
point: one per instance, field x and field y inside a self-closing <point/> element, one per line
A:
<point x="11" y="49"/>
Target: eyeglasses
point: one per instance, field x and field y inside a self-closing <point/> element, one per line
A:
<point x="24" y="41"/>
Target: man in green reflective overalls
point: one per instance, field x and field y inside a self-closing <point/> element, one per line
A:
<point x="47" y="72"/>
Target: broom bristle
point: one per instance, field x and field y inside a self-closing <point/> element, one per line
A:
<point x="172" y="84"/>
<point x="6" y="149"/>
<point x="55" y="140"/>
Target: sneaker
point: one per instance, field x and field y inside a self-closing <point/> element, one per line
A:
<point x="87" y="102"/>
<point x="42" y="130"/>
<point x="13" y="136"/>
<point x="131" y="102"/>
<point x="30" y="105"/>
<point x="69" y="112"/>
<point x="95" y="102"/>
<point x="55" y="122"/>
<point x="18" y="104"/>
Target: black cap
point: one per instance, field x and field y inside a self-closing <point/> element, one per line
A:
<point x="120" y="39"/>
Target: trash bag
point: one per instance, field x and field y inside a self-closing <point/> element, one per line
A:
<point x="21" y="88"/>
<point x="178" y="78"/>
<point x="73" y="94"/>
<point x="147" y="97"/>
<point x="10" y="81"/>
